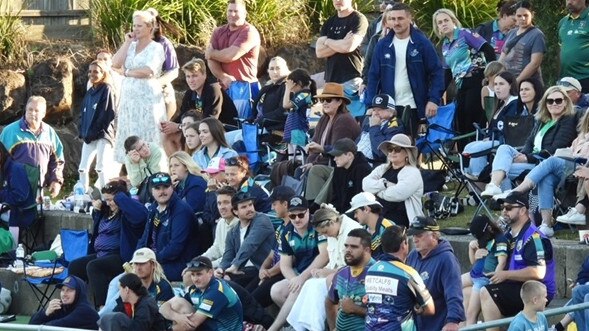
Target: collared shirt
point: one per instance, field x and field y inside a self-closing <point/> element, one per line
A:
<point x="375" y="244"/>
<point x="462" y="53"/>
<point x="219" y="303"/>
<point x="573" y="36"/>
<point x="304" y="249"/>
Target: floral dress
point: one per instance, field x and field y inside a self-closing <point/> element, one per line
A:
<point x="141" y="106"/>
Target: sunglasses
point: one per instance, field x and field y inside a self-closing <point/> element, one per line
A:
<point x="395" y="149"/>
<point x="197" y="264"/>
<point x="328" y="100"/>
<point x="564" y="83"/>
<point x="557" y="101"/>
<point x="510" y="207"/>
<point x="233" y="161"/>
<point x="299" y="215"/>
<point x="161" y="179"/>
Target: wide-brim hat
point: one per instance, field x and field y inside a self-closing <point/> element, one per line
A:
<point x="333" y="90"/>
<point x="400" y="140"/>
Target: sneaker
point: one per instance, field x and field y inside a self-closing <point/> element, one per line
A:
<point x="502" y="196"/>
<point x="546" y="230"/>
<point x="491" y="190"/>
<point x="572" y="217"/>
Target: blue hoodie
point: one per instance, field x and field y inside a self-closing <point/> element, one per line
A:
<point x="79" y="314"/>
<point x="441" y="274"/>
<point x="17" y="193"/>
<point x="97" y="114"/>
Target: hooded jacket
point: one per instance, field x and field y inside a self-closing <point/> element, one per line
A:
<point x="97" y="114"/>
<point x="441" y="274"/>
<point x="146" y="316"/>
<point x="350" y="180"/>
<point x="79" y="314"/>
<point x="16" y="192"/>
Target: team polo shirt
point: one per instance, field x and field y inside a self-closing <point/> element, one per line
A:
<point x="303" y="249"/>
<point x="497" y="38"/>
<point x="375" y="244"/>
<point x="349" y="283"/>
<point x="219" y="303"/>
<point x="573" y="35"/>
<point x="392" y="291"/>
<point x="462" y="53"/>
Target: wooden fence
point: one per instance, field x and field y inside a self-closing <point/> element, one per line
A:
<point x="51" y="19"/>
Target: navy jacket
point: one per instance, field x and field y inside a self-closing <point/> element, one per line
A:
<point x="260" y="239"/>
<point x="133" y="219"/>
<point x="268" y="106"/>
<point x="192" y="191"/>
<point x="79" y="314"/>
<point x="381" y="133"/>
<point x="174" y="240"/>
<point x="441" y="274"/>
<point x="210" y="213"/>
<point x="146" y="315"/>
<point x="97" y="114"/>
<point x="426" y="75"/>
<point x="16" y="192"/>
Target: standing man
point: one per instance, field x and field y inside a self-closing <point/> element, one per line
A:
<point x="394" y="306"/>
<point x="339" y="43"/>
<point x="435" y="261"/>
<point x="344" y="306"/>
<point x="232" y="56"/>
<point x="531" y="259"/>
<point x="170" y="228"/>
<point x="405" y="65"/>
<point x="496" y="30"/>
<point x="573" y="37"/>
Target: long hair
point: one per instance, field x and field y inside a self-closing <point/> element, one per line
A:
<point x="106" y="78"/>
<point x="452" y="17"/>
<point x="583" y="127"/>
<point x="216" y="129"/>
<point x="543" y="115"/>
<point x="510" y="79"/>
<point x="193" y="126"/>
<point x="538" y="89"/>
<point x="303" y="78"/>
<point x="187" y="161"/>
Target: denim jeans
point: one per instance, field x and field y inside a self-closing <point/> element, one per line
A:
<point x="504" y="162"/>
<point x="477" y="164"/>
<point x="580" y="295"/>
<point x="547" y="176"/>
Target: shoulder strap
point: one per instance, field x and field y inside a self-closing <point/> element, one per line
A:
<point x="508" y="46"/>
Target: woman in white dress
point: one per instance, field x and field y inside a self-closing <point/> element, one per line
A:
<point x="141" y="107"/>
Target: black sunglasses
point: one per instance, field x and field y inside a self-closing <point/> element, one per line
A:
<point x="299" y="215"/>
<point x="197" y="264"/>
<point x="395" y="149"/>
<point x="328" y="100"/>
<point x="557" y="101"/>
<point x="233" y="161"/>
<point x="510" y="207"/>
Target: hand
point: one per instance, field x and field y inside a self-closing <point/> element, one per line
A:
<point x="208" y="52"/>
<point x="314" y="147"/>
<point x="97" y="204"/>
<point x="53" y="306"/>
<point x="431" y="109"/>
<point x="582" y="172"/>
<point x="295" y="284"/>
<point x="264" y="273"/>
<point x="348" y="306"/>
<point x="134" y="156"/>
<point x="520" y="158"/>
<point x="234" y="270"/>
<point x="219" y="273"/>
<point x="361" y="88"/>
<point x="499" y="277"/>
<point x="480" y="253"/>
<point x="130" y="36"/>
<point x="473" y="244"/>
<point x="374" y="120"/>
<point x="450" y="327"/>
<point x="289" y="84"/>
<point x="175" y="180"/>
<point x="305" y="167"/>
<point x="168" y="127"/>
<point x="184" y="321"/>
<point x="54" y="189"/>
<point x="226" y="81"/>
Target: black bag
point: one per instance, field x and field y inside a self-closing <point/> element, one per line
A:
<point x="144" y="189"/>
<point x="517" y="129"/>
<point x="439" y="206"/>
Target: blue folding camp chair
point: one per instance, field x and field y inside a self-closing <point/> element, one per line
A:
<point x="75" y="245"/>
<point x="439" y="130"/>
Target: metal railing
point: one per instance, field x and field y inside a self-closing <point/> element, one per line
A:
<point x="12" y="326"/>
<point x="506" y="321"/>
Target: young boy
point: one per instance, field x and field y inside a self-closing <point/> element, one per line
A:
<point x="533" y="294"/>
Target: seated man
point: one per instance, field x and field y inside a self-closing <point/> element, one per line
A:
<point x="367" y="211"/>
<point x="170" y="228"/>
<point x="143" y="160"/>
<point x="248" y="243"/>
<point x="71" y="310"/>
<point x="209" y="304"/>
<point x="145" y="266"/>
<point x="225" y="223"/>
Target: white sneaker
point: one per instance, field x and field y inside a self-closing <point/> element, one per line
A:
<point x="502" y="196"/>
<point x="572" y="217"/>
<point x="491" y="190"/>
<point x="546" y="230"/>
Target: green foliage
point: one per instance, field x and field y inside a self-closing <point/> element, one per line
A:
<point x="547" y="15"/>
<point x="12" y="38"/>
<point x="469" y="12"/>
<point x="320" y="10"/>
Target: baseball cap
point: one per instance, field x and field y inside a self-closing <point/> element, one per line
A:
<point x="143" y="255"/>
<point x="241" y="197"/>
<point x="199" y="263"/>
<point x="384" y="101"/>
<point x="298" y="203"/>
<point x="422" y="224"/>
<point x="215" y="166"/>
<point x="344" y="145"/>
<point x="160" y="179"/>
<point x="69" y="281"/>
<point x="569" y="83"/>
<point x="516" y="198"/>
<point x="362" y="199"/>
<point x="282" y="193"/>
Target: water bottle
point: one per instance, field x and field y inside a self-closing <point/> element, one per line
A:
<point x="78" y="196"/>
<point x="20" y="255"/>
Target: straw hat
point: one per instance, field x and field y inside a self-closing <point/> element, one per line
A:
<point x="333" y="90"/>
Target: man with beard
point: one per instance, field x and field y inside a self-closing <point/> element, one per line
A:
<point x="531" y="258"/>
<point x="573" y="37"/>
<point x="395" y="292"/>
<point x="248" y="244"/>
<point x="170" y="228"/>
<point x="347" y="289"/>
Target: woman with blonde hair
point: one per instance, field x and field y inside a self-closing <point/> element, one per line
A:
<point x="187" y="180"/>
<point x="141" y="105"/>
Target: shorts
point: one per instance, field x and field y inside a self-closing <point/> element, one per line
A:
<point x="479" y="282"/>
<point x="507" y="298"/>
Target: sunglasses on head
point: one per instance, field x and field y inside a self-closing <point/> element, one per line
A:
<point x="160" y="179"/>
<point x="197" y="264"/>
<point x="557" y="101"/>
<point x="233" y="161"/>
<point x="564" y="83"/>
<point x="395" y="149"/>
<point x="299" y="215"/>
<point x="510" y="207"/>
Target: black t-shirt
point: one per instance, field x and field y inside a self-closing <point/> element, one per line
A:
<point x="213" y="102"/>
<point x="343" y="67"/>
<point x="395" y="211"/>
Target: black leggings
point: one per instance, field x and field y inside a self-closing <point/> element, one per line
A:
<point x="468" y="107"/>
<point x="97" y="272"/>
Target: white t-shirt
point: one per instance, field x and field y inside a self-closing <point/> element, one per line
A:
<point x="403" y="94"/>
<point x="242" y="231"/>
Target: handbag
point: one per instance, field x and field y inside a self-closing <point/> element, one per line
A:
<point x="517" y="129"/>
<point x="144" y="189"/>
